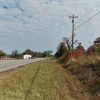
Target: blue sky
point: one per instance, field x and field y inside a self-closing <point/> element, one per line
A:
<point x="41" y="24"/>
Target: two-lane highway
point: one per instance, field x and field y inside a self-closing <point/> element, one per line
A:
<point x="10" y="64"/>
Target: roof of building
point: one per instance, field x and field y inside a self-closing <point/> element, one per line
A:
<point x="98" y="39"/>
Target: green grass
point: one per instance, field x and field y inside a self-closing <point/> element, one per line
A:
<point x="45" y="80"/>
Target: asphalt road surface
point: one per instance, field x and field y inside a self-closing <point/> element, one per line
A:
<point x="10" y="64"/>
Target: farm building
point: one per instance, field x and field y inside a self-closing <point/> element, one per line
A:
<point x="97" y="41"/>
<point x="27" y="56"/>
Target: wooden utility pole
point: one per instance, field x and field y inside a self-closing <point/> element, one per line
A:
<point x="73" y="28"/>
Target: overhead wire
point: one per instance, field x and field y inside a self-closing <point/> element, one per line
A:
<point x="86" y="13"/>
<point x="88" y="20"/>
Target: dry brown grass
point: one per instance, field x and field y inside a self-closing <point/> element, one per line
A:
<point x="87" y="70"/>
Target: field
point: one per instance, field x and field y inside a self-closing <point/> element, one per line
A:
<point x="44" y="80"/>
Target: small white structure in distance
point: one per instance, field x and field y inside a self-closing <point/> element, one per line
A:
<point x="27" y="56"/>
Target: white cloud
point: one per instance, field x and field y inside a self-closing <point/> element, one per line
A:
<point x="44" y="22"/>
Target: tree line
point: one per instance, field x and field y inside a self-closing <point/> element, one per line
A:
<point x="65" y="47"/>
<point x="16" y="54"/>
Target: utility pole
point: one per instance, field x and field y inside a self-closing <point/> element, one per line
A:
<point x="73" y="28"/>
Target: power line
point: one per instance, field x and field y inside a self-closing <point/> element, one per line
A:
<point x="87" y="12"/>
<point x="87" y="20"/>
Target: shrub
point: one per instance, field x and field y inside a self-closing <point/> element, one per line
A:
<point x="61" y="50"/>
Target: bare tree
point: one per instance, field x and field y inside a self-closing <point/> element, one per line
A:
<point x="67" y="41"/>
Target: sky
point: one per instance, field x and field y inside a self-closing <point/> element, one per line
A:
<point x="41" y="24"/>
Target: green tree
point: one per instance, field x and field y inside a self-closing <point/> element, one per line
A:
<point x="33" y="53"/>
<point x="2" y="53"/>
<point x="47" y="53"/>
<point x="28" y="51"/>
<point x="61" y="50"/>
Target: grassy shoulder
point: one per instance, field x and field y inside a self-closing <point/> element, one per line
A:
<point x="45" y="80"/>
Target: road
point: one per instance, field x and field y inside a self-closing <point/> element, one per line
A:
<point x="10" y="64"/>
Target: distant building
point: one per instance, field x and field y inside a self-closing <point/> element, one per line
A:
<point x="27" y="56"/>
<point x="97" y="41"/>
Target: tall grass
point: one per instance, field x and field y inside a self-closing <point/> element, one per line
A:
<point x="87" y="70"/>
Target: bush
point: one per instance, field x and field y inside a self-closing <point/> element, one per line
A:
<point x="94" y="50"/>
<point x="61" y="50"/>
